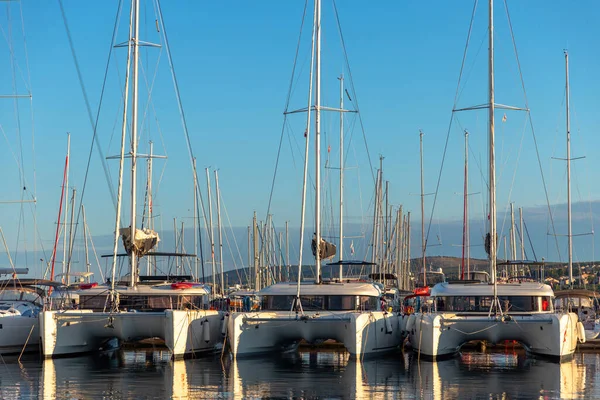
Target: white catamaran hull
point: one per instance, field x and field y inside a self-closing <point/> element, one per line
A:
<point x="81" y="331"/>
<point x="18" y="333"/>
<point x="361" y="333"/>
<point x="437" y="335"/>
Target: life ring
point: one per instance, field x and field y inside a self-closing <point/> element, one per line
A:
<point x="88" y="285"/>
<point x="181" y="285"/>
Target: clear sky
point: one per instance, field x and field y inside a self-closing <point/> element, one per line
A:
<point x="234" y="60"/>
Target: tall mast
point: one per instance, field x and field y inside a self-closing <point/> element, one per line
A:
<point x="522" y="233"/>
<point x="66" y="190"/>
<point x="422" y="213"/>
<point x="318" y="143"/>
<point x="492" y="153"/>
<point x="150" y="220"/>
<point x="513" y="237"/>
<point x="408" y="265"/>
<point x="212" y="239"/>
<point x="195" y="222"/>
<point x="70" y="236"/>
<point x="570" y="234"/>
<point x="257" y="285"/>
<point x="218" y="194"/>
<point x="465" y="208"/>
<point x="134" y="129"/>
<point x="341" y="250"/>
<point x="85" y="242"/>
<point x="287" y="250"/>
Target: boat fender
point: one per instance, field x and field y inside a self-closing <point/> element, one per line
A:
<point x="224" y="326"/>
<point x="206" y="331"/>
<point x="410" y="323"/>
<point x="388" y="325"/>
<point x="580" y="332"/>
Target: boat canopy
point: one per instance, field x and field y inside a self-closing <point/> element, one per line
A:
<point x="325" y="289"/>
<point x="483" y="289"/>
<point x="197" y="289"/>
<point x="575" y="293"/>
<point x="18" y="271"/>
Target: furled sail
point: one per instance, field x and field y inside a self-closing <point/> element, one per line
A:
<point x="326" y="250"/>
<point x="144" y="241"/>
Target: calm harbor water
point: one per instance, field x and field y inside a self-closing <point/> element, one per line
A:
<point x="307" y="375"/>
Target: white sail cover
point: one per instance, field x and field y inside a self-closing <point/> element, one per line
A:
<point x="144" y="241"/>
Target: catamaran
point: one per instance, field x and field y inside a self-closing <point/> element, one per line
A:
<point x="171" y="307"/>
<point x="463" y="311"/>
<point x="344" y="310"/>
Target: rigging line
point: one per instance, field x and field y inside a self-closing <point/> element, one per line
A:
<point x="178" y="95"/>
<point x="93" y="122"/>
<point x="33" y="207"/>
<point x="22" y="181"/>
<point x="512" y="185"/>
<point x="337" y="17"/>
<point x="464" y="59"/>
<point x="529" y="240"/>
<point x="537" y="152"/>
<point x="450" y="126"/>
<point x="232" y="233"/>
<point x="287" y="104"/>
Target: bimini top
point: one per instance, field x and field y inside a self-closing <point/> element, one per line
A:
<point x="575" y="293"/>
<point x="485" y="289"/>
<point x="186" y="288"/>
<point x="324" y="289"/>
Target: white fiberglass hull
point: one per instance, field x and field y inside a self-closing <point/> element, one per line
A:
<point x="442" y="334"/>
<point x="80" y="331"/>
<point x="18" y="333"/>
<point x="362" y="333"/>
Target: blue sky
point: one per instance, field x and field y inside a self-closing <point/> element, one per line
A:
<point x="233" y="62"/>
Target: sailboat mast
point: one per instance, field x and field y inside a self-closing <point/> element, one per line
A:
<point x="220" y="229"/>
<point x="212" y="239"/>
<point x="341" y="250"/>
<point x="150" y="220"/>
<point x="318" y="143"/>
<point x="422" y="213"/>
<point x="85" y="242"/>
<point x="66" y="217"/>
<point x="196" y="223"/>
<point x="134" y="126"/>
<point x="465" y="210"/>
<point x="492" y="152"/>
<point x="522" y="233"/>
<point x="570" y="233"/>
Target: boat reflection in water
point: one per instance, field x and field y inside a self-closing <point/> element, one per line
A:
<point x="152" y="374"/>
<point x="316" y="374"/>
<point x="502" y="375"/>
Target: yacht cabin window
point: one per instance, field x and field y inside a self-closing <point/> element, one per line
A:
<point x="511" y="304"/>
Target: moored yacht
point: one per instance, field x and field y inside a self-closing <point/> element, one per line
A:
<point x="463" y="311"/>
<point x="583" y="303"/>
<point x="347" y="312"/>
<point x="168" y="307"/>
<point x="162" y="307"/>
<point x="21" y="301"/>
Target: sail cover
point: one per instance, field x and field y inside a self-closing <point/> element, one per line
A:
<point x="326" y="250"/>
<point x="144" y="241"/>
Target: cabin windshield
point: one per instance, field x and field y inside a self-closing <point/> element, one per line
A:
<point x="510" y="304"/>
<point x="321" y="302"/>
<point x="143" y="303"/>
<point x="572" y="303"/>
